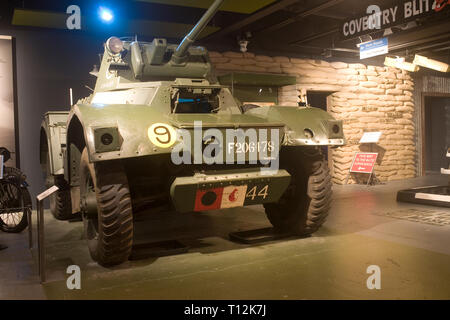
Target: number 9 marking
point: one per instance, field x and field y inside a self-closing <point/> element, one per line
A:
<point x="162" y="135"/>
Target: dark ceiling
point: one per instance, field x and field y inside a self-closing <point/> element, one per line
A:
<point x="291" y="27"/>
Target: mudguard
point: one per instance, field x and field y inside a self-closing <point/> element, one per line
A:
<point x="53" y="135"/>
<point x="127" y="124"/>
<point x="304" y="126"/>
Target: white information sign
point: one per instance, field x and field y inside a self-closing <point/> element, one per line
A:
<point x="47" y="192"/>
<point x="370" y="137"/>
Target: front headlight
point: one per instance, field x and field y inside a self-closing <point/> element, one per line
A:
<point x="335" y="129"/>
<point x="107" y="139"/>
<point x="114" y="45"/>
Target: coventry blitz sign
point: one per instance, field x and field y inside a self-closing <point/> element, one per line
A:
<point x="401" y="12"/>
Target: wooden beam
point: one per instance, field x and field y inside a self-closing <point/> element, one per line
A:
<point x="254" y="17"/>
<point x="238" y="6"/>
<point x="314" y="37"/>
<point x="302" y="15"/>
<point x="56" y="20"/>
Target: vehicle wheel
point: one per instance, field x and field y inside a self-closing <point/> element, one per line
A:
<point x="60" y="201"/>
<point x="15" y="203"/>
<point x="105" y="203"/>
<point x="304" y="206"/>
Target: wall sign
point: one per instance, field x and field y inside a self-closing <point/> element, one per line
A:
<point x="373" y="48"/>
<point x="400" y="12"/>
<point x="364" y="162"/>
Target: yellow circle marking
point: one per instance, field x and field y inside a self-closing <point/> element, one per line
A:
<point x="162" y="135"/>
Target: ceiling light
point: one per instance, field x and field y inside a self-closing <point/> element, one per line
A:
<point x="400" y="63"/>
<point x="106" y="15"/>
<point x="431" y="64"/>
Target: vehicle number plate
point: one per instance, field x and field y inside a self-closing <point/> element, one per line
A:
<point x="251" y="147"/>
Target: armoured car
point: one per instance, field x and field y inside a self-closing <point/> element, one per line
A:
<point x="159" y="133"/>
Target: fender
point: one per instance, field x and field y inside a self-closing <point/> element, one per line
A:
<point x="126" y="125"/>
<point x="305" y="126"/>
<point x="53" y="141"/>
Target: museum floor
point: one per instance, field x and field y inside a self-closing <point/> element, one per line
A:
<point x="414" y="255"/>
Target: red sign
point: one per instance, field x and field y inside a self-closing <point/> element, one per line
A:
<point x="364" y="162"/>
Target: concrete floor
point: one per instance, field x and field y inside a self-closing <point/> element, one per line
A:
<point x="414" y="257"/>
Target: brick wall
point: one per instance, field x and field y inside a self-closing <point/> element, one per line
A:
<point x="367" y="98"/>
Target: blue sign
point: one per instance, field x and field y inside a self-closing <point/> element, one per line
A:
<point x="373" y="48"/>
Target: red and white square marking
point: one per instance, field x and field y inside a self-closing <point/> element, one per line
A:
<point x="233" y="196"/>
<point x="217" y="198"/>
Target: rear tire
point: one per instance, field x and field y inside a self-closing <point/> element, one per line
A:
<point x="109" y="226"/>
<point x="304" y="206"/>
<point x="60" y="201"/>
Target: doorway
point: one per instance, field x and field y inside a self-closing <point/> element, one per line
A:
<point x="321" y="100"/>
<point x="436" y="133"/>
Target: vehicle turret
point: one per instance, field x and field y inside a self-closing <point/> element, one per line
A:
<point x="135" y="61"/>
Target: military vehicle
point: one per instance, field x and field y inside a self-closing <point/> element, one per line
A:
<point x="112" y="154"/>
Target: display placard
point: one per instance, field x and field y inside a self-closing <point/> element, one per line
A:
<point x="364" y="162"/>
<point x="370" y="137"/>
<point x="46" y="193"/>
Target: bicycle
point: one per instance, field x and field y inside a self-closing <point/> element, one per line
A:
<point x="15" y="199"/>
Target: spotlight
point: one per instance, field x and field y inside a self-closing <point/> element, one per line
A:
<point x="400" y="63"/>
<point x="430" y="63"/>
<point x="106" y="15"/>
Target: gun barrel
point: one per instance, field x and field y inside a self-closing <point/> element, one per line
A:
<point x="180" y="52"/>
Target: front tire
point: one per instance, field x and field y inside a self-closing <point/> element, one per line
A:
<point x="304" y="206"/>
<point x="107" y="212"/>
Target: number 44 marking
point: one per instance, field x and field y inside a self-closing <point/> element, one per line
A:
<point x="253" y="192"/>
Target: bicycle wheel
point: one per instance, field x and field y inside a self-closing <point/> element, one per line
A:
<point x="15" y="203"/>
